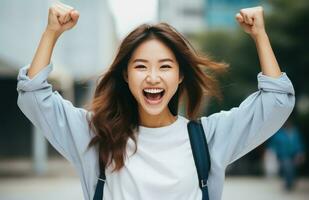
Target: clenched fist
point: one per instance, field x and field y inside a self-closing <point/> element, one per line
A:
<point x="61" y="17"/>
<point x="252" y="20"/>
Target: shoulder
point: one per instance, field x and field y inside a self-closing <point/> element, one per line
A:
<point x="216" y="121"/>
<point x="208" y="122"/>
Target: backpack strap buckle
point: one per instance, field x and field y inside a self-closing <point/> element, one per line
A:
<point x="101" y="179"/>
<point x="204" y="182"/>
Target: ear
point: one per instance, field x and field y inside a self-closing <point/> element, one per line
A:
<point x="180" y="78"/>
<point x="125" y="75"/>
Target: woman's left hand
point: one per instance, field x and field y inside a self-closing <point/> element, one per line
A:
<point x="252" y="20"/>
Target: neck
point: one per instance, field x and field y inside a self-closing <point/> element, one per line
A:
<point x="153" y="121"/>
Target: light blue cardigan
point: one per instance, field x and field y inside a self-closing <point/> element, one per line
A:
<point x="230" y="134"/>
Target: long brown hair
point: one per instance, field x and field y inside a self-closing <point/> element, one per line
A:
<point x="114" y="110"/>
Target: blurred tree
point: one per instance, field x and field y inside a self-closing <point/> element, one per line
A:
<point x="289" y="32"/>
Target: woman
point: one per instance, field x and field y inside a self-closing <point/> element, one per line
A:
<point x="132" y="121"/>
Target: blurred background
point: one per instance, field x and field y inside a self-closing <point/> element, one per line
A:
<point x="31" y="169"/>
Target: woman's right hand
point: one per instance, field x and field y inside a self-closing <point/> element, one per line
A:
<point x="61" y="17"/>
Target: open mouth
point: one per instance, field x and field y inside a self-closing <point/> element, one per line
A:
<point x="153" y="95"/>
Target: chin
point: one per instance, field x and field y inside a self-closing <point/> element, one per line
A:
<point x="153" y="110"/>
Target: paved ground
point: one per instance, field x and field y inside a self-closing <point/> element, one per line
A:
<point x="18" y="183"/>
<point x="244" y="188"/>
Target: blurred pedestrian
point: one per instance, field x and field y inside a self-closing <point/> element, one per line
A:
<point x="289" y="148"/>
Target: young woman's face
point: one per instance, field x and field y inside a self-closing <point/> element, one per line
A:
<point x="153" y="76"/>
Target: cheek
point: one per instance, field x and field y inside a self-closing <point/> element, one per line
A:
<point x="171" y="82"/>
<point x="134" y="82"/>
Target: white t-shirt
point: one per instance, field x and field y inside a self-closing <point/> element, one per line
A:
<point x="163" y="166"/>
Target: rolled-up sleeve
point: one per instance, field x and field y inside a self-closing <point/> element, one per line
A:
<point x="235" y="132"/>
<point x="64" y="125"/>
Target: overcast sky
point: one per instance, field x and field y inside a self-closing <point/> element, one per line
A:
<point x="130" y="13"/>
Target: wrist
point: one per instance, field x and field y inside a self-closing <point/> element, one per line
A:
<point x="261" y="36"/>
<point x="51" y="34"/>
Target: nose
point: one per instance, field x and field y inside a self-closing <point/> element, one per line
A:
<point x="153" y="77"/>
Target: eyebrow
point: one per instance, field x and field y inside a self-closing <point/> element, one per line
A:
<point x="144" y="60"/>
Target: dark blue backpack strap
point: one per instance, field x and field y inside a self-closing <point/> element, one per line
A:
<point x="200" y="154"/>
<point x="98" y="195"/>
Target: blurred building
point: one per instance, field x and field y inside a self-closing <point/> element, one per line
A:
<point x="86" y="48"/>
<point x="79" y="56"/>
<point x="186" y="16"/>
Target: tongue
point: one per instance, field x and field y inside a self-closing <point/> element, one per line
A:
<point x="153" y="96"/>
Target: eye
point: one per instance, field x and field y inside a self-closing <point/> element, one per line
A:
<point x="166" y="66"/>
<point x="140" y="66"/>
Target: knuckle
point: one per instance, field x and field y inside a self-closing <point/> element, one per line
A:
<point x="52" y="8"/>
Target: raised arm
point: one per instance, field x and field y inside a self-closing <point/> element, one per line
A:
<point x="60" y="18"/>
<point x="63" y="124"/>
<point x="252" y="21"/>
<point x="233" y="133"/>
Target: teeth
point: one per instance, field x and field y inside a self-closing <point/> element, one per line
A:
<point x="153" y="90"/>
